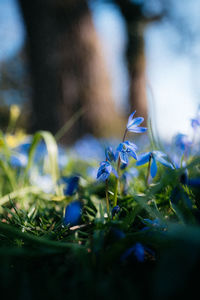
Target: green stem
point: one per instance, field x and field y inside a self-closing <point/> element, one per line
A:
<point x="148" y="171"/>
<point x="125" y="132"/>
<point x="116" y="184"/>
<point x="118" y="169"/>
<point x="115" y="193"/>
<point x="186" y="153"/>
<point x="107" y="199"/>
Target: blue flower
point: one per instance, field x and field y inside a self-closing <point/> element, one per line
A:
<point x="153" y="223"/>
<point x="195" y="123"/>
<point x="137" y="250"/>
<point x="73" y="213"/>
<point x="133" y="124"/>
<point x="71" y="185"/>
<point x="115" y="210"/>
<point x="110" y="155"/>
<point x="153" y="155"/>
<point x="40" y="153"/>
<point x="105" y="170"/>
<point x="126" y="149"/>
<point x="182" y="141"/>
<point x="116" y="234"/>
<point x="19" y="160"/>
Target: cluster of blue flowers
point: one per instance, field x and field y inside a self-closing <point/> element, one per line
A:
<point x="124" y="149"/>
<point x="128" y="149"/>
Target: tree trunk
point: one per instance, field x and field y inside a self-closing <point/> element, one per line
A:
<point x="137" y="70"/>
<point x="135" y="25"/>
<point x="67" y="68"/>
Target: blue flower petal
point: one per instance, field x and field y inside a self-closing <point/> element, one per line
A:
<point x="143" y="158"/>
<point x="130" y="145"/>
<point x="126" y="149"/>
<point x="153" y="168"/>
<point x="73" y="213"/>
<point x="115" y="210"/>
<point x="135" y="122"/>
<point x="138" y="129"/>
<point x="124" y="157"/>
<point x="195" y="123"/>
<point x="100" y="171"/>
<point x="104" y="170"/>
<point x="139" y="252"/>
<point x="127" y="253"/>
<point x="117" y="233"/>
<point x="158" y="153"/>
<point x="151" y="222"/>
<point x="133" y="154"/>
<point x="155" y="223"/>
<point x="71" y="185"/>
<point x="164" y="162"/>
<point x="18" y="160"/>
<point x="103" y="176"/>
<point x="110" y="155"/>
<point x="182" y="141"/>
<point x="120" y="147"/>
<point x="130" y="118"/>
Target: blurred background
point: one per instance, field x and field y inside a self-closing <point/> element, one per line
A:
<point x="91" y="63"/>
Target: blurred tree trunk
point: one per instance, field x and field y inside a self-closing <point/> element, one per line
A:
<point x="135" y="24"/>
<point x="67" y="68"/>
<point x="137" y="70"/>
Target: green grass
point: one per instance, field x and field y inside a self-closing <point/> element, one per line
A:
<point x="43" y="259"/>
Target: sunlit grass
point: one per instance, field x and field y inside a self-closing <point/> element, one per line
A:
<point x="154" y="231"/>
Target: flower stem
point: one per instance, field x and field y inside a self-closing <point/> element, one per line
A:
<point x="116" y="183"/>
<point x="107" y="199"/>
<point x="148" y="171"/>
<point x="118" y="169"/>
<point x="125" y="132"/>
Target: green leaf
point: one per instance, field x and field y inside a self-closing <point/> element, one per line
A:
<point x="52" y="150"/>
